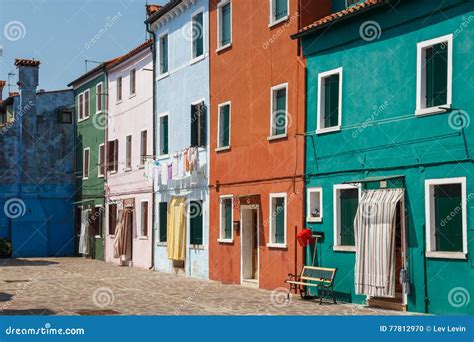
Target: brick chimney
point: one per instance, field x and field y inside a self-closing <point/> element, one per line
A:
<point x="2" y="85"/>
<point x="28" y="77"/>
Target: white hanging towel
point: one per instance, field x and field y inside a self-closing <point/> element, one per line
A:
<point x="84" y="239"/>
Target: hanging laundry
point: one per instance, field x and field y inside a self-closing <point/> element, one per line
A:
<point x="186" y="160"/>
<point x="164" y="174"/>
<point x="170" y="171"/>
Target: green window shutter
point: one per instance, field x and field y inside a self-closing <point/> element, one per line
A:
<point x="349" y="201"/>
<point x="448" y="218"/>
<point x="279" y="116"/>
<point x="224" y="129"/>
<point x="164" y="135"/>
<point x="198" y="125"/>
<point x="437" y="75"/>
<point x="164" y="54"/>
<point x="279" y="215"/>
<point x="281" y="8"/>
<point x="163" y="215"/>
<point x="196" y="222"/>
<point x="228" y="218"/>
<point x="226" y="24"/>
<point x="198" y="35"/>
<point x="331" y="101"/>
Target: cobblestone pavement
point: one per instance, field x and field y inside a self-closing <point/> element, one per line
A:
<point x="74" y="286"/>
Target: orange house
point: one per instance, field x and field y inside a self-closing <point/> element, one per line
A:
<point x="257" y="125"/>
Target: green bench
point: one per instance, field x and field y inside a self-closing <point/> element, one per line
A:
<point x="311" y="276"/>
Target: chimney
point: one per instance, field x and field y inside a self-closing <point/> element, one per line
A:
<point x="28" y="76"/>
<point x="2" y="85"/>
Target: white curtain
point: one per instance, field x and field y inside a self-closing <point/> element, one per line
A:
<point x="374" y="227"/>
<point x="84" y="240"/>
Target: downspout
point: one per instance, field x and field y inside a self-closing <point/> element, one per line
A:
<point x="153" y="210"/>
<point x="106" y="138"/>
<point x="425" y="274"/>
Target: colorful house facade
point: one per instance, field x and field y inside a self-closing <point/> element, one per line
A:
<point x="389" y="174"/>
<point x="129" y="138"/>
<point x="36" y="167"/>
<point x="257" y="120"/>
<point x="181" y="225"/>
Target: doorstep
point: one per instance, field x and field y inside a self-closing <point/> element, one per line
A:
<point x="253" y="283"/>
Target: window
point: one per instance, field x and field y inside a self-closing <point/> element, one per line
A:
<point x="226" y="219"/>
<point x="133" y="76"/>
<point x="143" y="151"/>
<point x="112" y="156"/>
<point x="279" y="104"/>
<point x="196" y="224"/>
<point x="99" y="95"/>
<point x="144" y="219"/>
<point x="96" y="219"/>
<point x="198" y="125"/>
<point x="434" y="75"/>
<point x="164" y="142"/>
<point x="85" y="163"/>
<point x="277" y="220"/>
<point x="81" y="107"/>
<point x="86" y="104"/>
<point x="224" y="17"/>
<point x="198" y="35"/>
<point x="128" y="152"/>
<point x="223" y="130"/>
<point x="64" y="117"/>
<point x="163" y="217"/>
<point x="446" y="218"/>
<point x="101" y="167"/>
<point x="346" y="201"/>
<point x="112" y="218"/>
<point x="163" y="54"/>
<point x="314" y="205"/>
<point x="3" y="118"/>
<point x="119" y="88"/>
<point x="329" y="101"/>
<point x="278" y="11"/>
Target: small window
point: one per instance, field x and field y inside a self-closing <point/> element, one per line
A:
<point x="81" y="107"/>
<point x="128" y="152"/>
<point x="277" y="220"/>
<point x="314" y="205"/>
<point x="85" y="162"/>
<point x="144" y="219"/>
<point x="112" y="156"/>
<point x="164" y="142"/>
<point x="163" y="54"/>
<point x="446" y="220"/>
<point x="133" y="75"/>
<point x="198" y="35"/>
<point x="65" y="117"/>
<point x="143" y="148"/>
<point x="224" y="10"/>
<point x="163" y="224"/>
<point x="101" y="167"/>
<point x="86" y="104"/>
<point x="96" y="220"/>
<point x="279" y="113"/>
<point x="112" y="218"/>
<point x="99" y="96"/>
<point x="346" y="202"/>
<point x="198" y="124"/>
<point x="226" y="218"/>
<point x="329" y="100"/>
<point x="196" y="222"/>
<point x="434" y="75"/>
<point x="278" y="10"/>
<point x="223" y="140"/>
<point x="119" y="88"/>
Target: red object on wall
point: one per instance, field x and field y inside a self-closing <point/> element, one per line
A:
<point x="305" y="237"/>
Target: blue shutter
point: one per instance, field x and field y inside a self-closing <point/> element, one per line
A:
<point x="226" y="24"/>
<point x="331" y="101"/>
<point x="279" y="215"/>
<point x="224" y="129"/>
<point x="281" y="9"/>
<point x="436" y="75"/>
<point x="198" y="35"/>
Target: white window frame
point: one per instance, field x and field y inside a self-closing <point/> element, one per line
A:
<point x="99" y="95"/>
<point x="421" y="76"/>
<point x="430" y="219"/>
<point x="221" y="226"/>
<point x="101" y="175"/>
<point x="84" y="163"/>
<point x="195" y="59"/>
<point x="163" y="156"/>
<point x="271" y="242"/>
<point x="310" y="191"/>
<point x="119" y="100"/>
<point x="88" y="105"/>
<point x="128" y="167"/>
<point x="134" y="81"/>
<point x="142" y="236"/>
<point x="223" y="148"/>
<point x="273" y="21"/>
<point x="160" y="73"/>
<point x="337" y="219"/>
<point x="142" y="157"/>
<point x="80" y="107"/>
<point x="320" y="129"/>
<point x="273" y="91"/>
<point x="221" y="4"/>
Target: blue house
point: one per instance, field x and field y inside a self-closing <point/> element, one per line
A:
<point x="181" y="229"/>
<point x="36" y="167"/>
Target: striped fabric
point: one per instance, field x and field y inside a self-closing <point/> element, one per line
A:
<point x="122" y="233"/>
<point x="374" y="228"/>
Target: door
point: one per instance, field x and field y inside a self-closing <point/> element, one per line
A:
<point x="249" y="244"/>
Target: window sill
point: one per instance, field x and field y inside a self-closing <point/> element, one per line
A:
<point x="98" y="112"/>
<point x="344" y="248"/>
<point x="163" y="156"/>
<point x="277" y="245"/>
<point x="100" y="176"/>
<point x="141" y="167"/>
<point x="225" y="240"/>
<point x="143" y="238"/>
<point x="83" y="119"/>
<point x="132" y="95"/>
<point x="97" y="236"/>
<point x="127" y="169"/>
<point x="196" y="247"/>
<point x="85" y="178"/>
<point x="314" y="219"/>
<point x="222" y="149"/>
<point x="277" y="137"/>
<point x="197" y="59"/>
<point x="278" y="21"/>
<point x="113" y="172"/>
<point x="328" y="130"/>
<point x="223" y="47"/>
<point x="118" y="102"/>
<point x="162" y="244"/>
<point x="162" y="76"/>
<point x="433" y="110"/>
<point x="446" y="255"/>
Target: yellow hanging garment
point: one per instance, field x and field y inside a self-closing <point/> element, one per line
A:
<point x="177" y="229"/>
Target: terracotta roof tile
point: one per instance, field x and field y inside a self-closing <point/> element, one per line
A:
<point x="150" y="9"/>
<point x="26" y="62"/>
<point x="131" y="53"/>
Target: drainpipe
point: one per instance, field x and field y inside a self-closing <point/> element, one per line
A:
<point x="425" y="273"/>
<point x="106" y="138"/>
<point x="153" y="210"/>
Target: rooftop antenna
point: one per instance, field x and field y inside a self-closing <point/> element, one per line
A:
<point x="89" y="61"/>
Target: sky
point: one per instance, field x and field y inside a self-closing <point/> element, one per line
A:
<point x="62" y="34"/>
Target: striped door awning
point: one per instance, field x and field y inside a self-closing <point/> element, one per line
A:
<point x="374" y="228"/>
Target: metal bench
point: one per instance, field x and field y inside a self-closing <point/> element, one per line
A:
<point x="312" y="276"/>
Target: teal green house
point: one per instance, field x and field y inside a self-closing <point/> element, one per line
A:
<point x="389" y="146"/>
